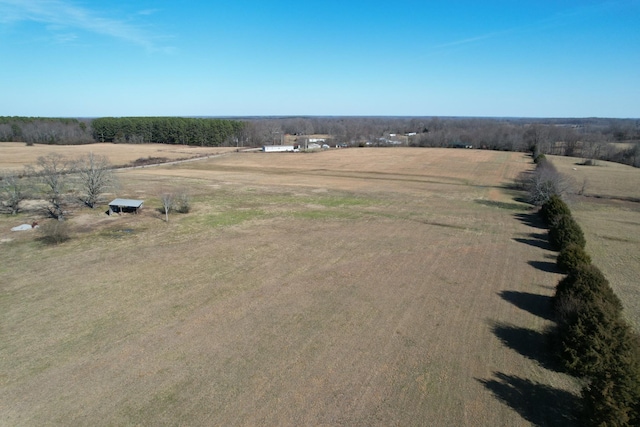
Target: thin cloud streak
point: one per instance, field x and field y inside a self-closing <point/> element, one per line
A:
<point x="556" y="20"/>
<point x="64" y="14"/>
<point x="471" y="39"/>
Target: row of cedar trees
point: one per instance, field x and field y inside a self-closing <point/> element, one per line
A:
<point x="591" y="339"/>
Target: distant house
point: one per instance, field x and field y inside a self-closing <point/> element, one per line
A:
<point x="125" y="206"/>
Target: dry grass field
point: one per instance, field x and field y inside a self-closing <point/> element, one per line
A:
<point x="15" y="155"/>
<point x="351" y="287"/>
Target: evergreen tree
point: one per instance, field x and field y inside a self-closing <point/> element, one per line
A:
<point x="564" y="231"/>
<point x="572" y="257"/>
<point x="612" y="395"/>
<point x="553" y="209"/>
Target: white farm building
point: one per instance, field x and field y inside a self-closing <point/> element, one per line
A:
<point x="280" y="148"/>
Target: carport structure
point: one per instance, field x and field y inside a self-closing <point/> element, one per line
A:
<point x="125" y="205"/>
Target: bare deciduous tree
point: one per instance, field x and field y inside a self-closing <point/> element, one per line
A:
<point x="95" y="177"/>
<point x="167" y="204"/>
<point x="12" y="191"/>
<point x="176" y="200"/>
<point x="545" y="182"/>
<point x="537" y="138"/>
<point x="53" y="171"/>
<point x="592" y="150"/>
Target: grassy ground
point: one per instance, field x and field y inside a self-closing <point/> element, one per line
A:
<point x="16" y="155"/>
<point x="347" y="287"/>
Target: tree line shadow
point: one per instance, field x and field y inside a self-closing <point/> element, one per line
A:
<point x="540" y="404"/>
<point x="532" y="219"/>
<point x="538" y="305"/>
<point x="531" y="344"/>
<point x="536" y="239"/>
<point x="539" y="240"/>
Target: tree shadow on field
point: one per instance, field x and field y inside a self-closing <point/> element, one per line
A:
<point x="539" y="404"/>
<point x="540" y="236"/>
<point x="538" y="305"/>
<point x="531" y="344"/>
<point x="531" y="219"/>
<point x="516" y="190"/>
<point x="546" y="266"/>
<point x="536" y="241"/>
<point x="500" y="205"/>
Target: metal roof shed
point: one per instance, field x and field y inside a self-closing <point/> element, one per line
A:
<point x="125" y="205"/>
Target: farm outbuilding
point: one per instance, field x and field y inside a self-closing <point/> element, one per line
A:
<point x="280" y="148"/>
<point x="125" y="206"/>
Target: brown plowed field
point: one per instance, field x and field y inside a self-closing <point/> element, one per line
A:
<point x="353" y="287"/>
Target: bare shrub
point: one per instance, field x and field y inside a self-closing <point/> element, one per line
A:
<point x="583" y="187"/>
<point x="144" y="161"/>
<point x="55" y="232"/>
<point x="182" y="202"/>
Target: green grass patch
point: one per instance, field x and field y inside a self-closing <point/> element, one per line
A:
<point x="237" y="207"/>
<point x="228" y="218"/>
<point x="119" y="233"/>
<point x="325" y="214"/>
<point x="341" y="201"/>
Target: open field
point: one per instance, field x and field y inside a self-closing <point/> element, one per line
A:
<point x="348" y="287"/>
<point x="15" y="155"/>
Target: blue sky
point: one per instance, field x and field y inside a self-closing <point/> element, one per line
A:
<point x="89" y="58"/>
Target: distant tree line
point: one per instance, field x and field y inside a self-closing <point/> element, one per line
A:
<point x="44" y="130"/>
<point x="593" y="139"/>
<point x="167" y="130"/>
